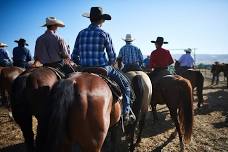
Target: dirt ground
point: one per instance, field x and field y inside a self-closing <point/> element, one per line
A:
<point x="210" y="131"/>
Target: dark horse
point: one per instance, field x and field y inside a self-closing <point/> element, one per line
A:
<point x="176" y="92"/>
<point x="30" y="97"/>
<point x="195" y="77"/>
<point x="83" y="110"/>
<point x="217" y="68"/>
<point x="7" y="76"/>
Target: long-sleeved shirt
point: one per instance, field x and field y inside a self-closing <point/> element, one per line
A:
<point x="186" y="60"/>
<point x="50" y="48"/>
<point x="4" y="54"/>
<point x="21" y="54"/>
<point x="90" y="46"/>
<point x="131" y="54"/>
<point x="160" y="58"/>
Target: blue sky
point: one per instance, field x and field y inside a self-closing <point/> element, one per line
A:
<point x="200" y="24"/>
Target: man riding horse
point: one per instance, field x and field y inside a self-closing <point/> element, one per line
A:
<point x="160" y="59"/>
<point x="51" y="50"/>
<point x="131" y="56"/>
<point x="186" y="61"/>
<point x="89" y="51"/>
<point x="4" y="57"/>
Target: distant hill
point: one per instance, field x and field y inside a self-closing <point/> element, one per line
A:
<point x="206" y="58"/>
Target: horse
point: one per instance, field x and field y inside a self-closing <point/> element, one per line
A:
<point x="83" y="110"/>
<point x="195" y="77"/>
<point x="217" y="68"/>
<point x="30" y="97"/>
<point x="7" y="76"/>
<point x="142" y="88"/>
<point x="176" y="92"/>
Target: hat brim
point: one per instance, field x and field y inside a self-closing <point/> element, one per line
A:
<point x="3" y="45"/>
<point x="104" y="16"/>
<point x="19" y="41"/>
<point x="57" y="24"/>
<point x="156" y="42"/>
<point x="128" y="40"/>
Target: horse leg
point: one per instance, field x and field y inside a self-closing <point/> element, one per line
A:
<point x="114" y="137"/>
<point x="200" y="96"/>
<point x="24" y="120"/>
<point x="141" y="125"/>
<point x="173" y="113"/>
<point x="154" y="111"/>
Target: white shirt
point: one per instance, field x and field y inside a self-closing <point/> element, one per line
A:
<point x="186" y="60"/>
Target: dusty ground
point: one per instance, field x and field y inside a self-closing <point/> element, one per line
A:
<point x="210" y="132"/>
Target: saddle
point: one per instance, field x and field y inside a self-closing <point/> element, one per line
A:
<point x="102" y="72"/>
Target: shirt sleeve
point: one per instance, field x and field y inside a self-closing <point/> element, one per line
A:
<point x="120" y="53"/>
<point x="28" y="56"/>
<point x="151" y="63"/>
<point x="170" y="58"/>
<point x="63" y="49"/>
<point x="140" y="57"/>
<point x="75" y="53"/>
<point x="110" y="50"/>
<point x="180" y="59"/>
<point x="6" y="55"/>
<point x="38" y="49"/>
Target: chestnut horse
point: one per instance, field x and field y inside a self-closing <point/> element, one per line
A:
<point x="82" y="112"/>
<point x="176" y="92"/>
<point x="195" y="77"/>
<point x="7" y="76"/>
<point x="30" y="97"/>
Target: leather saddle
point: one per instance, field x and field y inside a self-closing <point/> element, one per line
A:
<point x="102" y="72"/>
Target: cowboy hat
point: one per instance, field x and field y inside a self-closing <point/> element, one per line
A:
<point x="128" y="38"/>
<point x="53" y="21"/>
<point x="3" y="44"/>
<point x="21" y="41"/>
<point x="96" y="13"/>
<point x="188" y="50"/>
<point x="159" y="40"/>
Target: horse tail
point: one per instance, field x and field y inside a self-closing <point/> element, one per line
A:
<point x="137" y="83"/>
<point x="62" y="95"/>
<point x="200" y="83"/>
<point x="186" y="109"/>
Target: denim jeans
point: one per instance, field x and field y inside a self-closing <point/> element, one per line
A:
<point x="5" y="63"/>
<point x="124" y="84"/>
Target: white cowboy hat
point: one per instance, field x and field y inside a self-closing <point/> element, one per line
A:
<point x="3" y="44"/>
<point x="53" y="21"/>
<point x="128" y="38"/>
<point x="188" y="50"/>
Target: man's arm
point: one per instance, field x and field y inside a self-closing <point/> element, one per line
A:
<point x="75" y="53"/>
<point x="110" y="50"/>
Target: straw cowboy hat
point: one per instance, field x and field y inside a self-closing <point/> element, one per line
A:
<point x="159" y="40"/>
<point x="21" y="41"/>
<point x="3" y="44"/>
<point x="188" y="50"/>
<point x="53" y="21"/>
<point x="128" y="38"/>
<point x="96" y="13"/>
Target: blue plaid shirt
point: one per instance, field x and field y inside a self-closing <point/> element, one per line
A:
<point x="130" y="54"/>
<point x="90" y="45"/>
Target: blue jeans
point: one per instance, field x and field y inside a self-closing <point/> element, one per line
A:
<point x="124" y="84"/>
<point x="5" y="63"/>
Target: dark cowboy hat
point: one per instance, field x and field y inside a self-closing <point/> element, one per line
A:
<point x="159" y="40"/>
<point x="96" y="13"/>
<point x="21" y="41"/>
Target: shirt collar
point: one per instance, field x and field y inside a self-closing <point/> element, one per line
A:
<point x="93" y="25"/>
<point x="49" y="32"/>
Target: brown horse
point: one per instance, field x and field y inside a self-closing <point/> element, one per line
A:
<point x="217" y="68"/>
<point x="82" y="112"/>
<point x="176" y="92"/>
<point x="30" y="97"/>
<point x="7" y="76"/>
<point x="195" y="77"/>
